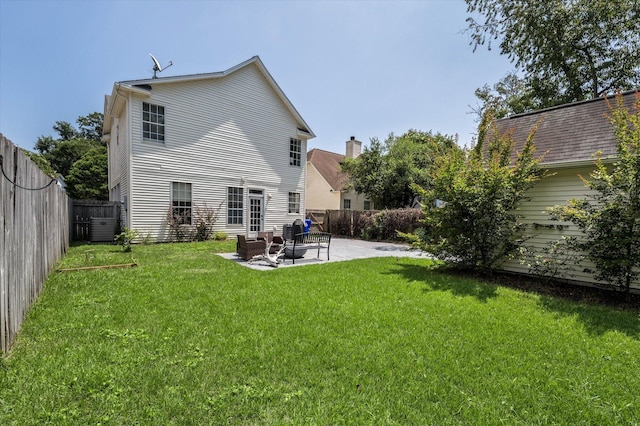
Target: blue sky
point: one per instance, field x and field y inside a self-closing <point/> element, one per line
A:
<point x="351" y="68"/>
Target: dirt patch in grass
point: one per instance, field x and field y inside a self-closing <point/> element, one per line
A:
<point x="567" y="291"/>
<point x="579" y="293"/>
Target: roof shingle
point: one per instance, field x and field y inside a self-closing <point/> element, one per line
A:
<point x="568" y="133"/>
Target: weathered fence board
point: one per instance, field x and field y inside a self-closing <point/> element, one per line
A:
<point x="317" y="219"/>
<point x="34" y="234"/>
<point x="82" y="212"/>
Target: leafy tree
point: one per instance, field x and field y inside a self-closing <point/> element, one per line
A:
<point x="90" y="126"/>
<point x="568" y="50"/>
<point x="385" y="172"/>
<point x="510" y="95"/>
<point x="65" y="130"/>
<point x="87" y="178"/>
<point x="470" y="211"/>
<point x="72" y="145"/>
<point x="65" y="153"/>
<point x="609" y="217"/>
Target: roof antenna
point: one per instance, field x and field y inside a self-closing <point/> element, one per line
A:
<point x="157" y="67"/>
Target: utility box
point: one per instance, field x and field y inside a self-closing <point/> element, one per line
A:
<point x="102" y="229"/>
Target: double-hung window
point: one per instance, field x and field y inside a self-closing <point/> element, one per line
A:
<point x="346" y="204"/>
<point x="295" y="152"/>
<point x="235" y="199"/>
<point x="152" y="122"/>
<point x="294" y="202"/>
<point x="181" y="202"/>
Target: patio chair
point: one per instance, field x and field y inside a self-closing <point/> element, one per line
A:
<point x="247" y="248"/>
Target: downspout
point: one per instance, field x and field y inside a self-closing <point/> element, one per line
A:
<point x="129" y="163"/>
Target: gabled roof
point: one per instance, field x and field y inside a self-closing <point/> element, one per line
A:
<point x="328" y="165"/>
<point x="143" y="86"/>
<point x="569" y="134"/>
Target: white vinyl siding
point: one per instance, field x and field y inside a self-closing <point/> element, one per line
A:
<point x="231" y="131"/>
<point x="554" y="190"/>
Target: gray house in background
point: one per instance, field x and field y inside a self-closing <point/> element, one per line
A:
<point x="570" y="135"/>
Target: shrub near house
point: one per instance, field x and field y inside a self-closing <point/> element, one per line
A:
<point x="478" y="225"/>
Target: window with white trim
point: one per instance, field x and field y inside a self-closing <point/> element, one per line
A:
<point x="367" y="205"/>
<point x="294" y="202"/>
<point x="295" y="152"/>
<point x="235" y="200"/>
<point x="181" y="202"/>
<point x="346" y="204"/>
<point x="152" y="122"/>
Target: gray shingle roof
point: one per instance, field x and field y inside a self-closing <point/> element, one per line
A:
<point x="569" y="133"/>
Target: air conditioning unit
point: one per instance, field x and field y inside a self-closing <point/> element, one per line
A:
<point x="102" y="229"/>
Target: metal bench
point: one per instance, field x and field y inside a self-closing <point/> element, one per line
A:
<point x="312" y="240"/>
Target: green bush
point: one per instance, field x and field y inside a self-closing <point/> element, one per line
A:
<point x="471" y="209"/>
<point x="125" y="238"/>
<point x="220" y="235"/>
<point x="386" y="224"/>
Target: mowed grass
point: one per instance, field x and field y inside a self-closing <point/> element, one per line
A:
<point x="188" y="337"/>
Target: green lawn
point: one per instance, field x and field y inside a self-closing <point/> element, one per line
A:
<point x="187" y="337"/>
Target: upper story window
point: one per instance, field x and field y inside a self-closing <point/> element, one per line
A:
<point x="346" y="204"/>
<point x="295" y="152"/>
<point x="181" y="202"/>
<point x="294" y="202"/>
<point x="235" y="197"/>
<point x="152" y="122"/>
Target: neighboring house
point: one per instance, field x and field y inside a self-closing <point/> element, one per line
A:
<point x="569" y="135"/>
<point x="326" y="183"/>
<point x="229" y="140"/>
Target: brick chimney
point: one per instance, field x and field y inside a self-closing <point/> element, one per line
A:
<point x="354" y="148"/>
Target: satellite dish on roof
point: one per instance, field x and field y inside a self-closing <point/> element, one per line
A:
<point x="157" y="67"/>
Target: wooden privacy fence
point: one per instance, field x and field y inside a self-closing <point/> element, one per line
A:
<point x="34" y="235"/>
<point x="345" y="222"/>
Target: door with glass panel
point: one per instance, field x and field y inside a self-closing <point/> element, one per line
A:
<point x="256" y="211"/>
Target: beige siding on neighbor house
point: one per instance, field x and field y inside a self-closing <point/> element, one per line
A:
<point x="357" y="200"/>
<point x="231" y="131"/>
<point x="320" y="195"/>
<point x="554" y="190"/>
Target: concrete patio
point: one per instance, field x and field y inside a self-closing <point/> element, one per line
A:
<point x="341" y="249"/>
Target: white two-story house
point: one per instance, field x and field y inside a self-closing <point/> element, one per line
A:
<point x="231" y="141"/>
